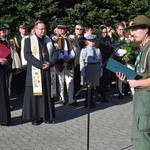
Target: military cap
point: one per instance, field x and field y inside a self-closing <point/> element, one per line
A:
<point x="61" y="26"/>
<point x="2" y="26"/>
<point x="91" y="37"/>
<point x="140" y="21"/>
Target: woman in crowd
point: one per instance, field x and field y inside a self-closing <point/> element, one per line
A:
<point x="103" y="42"/>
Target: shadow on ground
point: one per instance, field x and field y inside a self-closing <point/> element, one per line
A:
<point x="65" y="113"/>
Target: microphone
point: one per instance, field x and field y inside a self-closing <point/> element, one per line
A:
<point x="126" y="41"/>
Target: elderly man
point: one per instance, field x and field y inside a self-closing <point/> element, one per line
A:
<point x="65" y="65"/>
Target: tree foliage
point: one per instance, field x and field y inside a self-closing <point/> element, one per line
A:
<point x="71" y="12"/>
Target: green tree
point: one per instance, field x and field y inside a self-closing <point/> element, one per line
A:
<point x="87" y="12"/>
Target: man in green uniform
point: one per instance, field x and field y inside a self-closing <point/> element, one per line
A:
<point x="141" y="99"/>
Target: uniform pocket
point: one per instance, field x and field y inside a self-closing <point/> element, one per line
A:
<point x="144" y="122"/>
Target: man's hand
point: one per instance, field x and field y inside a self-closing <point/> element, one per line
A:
<point x="3" y="61"/>
<point x="133" y="83"/>
<point x="66" y="58"/>
<point x="46" y="65"/>
<point x="121" y="76"/>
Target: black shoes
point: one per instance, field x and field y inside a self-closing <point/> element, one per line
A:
<point x="37" y="122"/>
<point x="74" y="104"/>
<point x="49" y="121"/>
<point x="102" y="100"/>
<point x="120" y="96"/>
<point x="62" y="102"/>
<point x="7" y="124"/>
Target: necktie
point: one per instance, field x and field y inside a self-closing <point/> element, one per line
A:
<point x="94" y="54"/>
<point x="137" y="62"/>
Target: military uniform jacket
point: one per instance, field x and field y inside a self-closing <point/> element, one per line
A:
<point x="144" y="66"/>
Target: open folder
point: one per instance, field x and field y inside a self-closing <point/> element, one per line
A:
<point x="116" y="66"/>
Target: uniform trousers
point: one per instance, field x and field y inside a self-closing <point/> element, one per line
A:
<point x="141" y="120"/>
<point x="66" y="77"/>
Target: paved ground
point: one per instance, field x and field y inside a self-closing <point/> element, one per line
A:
<point x="110" y="127"/>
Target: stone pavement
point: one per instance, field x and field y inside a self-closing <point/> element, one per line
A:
<point x="110" y="128"/>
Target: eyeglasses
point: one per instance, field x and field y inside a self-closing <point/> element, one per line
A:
<point x="121" y="29"/>
<point x="41" y="28"/>
<point x="79" y="29"/>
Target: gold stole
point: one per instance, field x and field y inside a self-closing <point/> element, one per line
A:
<point x="36" y="73"/>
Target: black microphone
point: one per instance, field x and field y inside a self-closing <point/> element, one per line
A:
<point x="126" y="41"/>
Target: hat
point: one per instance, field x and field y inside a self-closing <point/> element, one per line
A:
<point x="23" y="26"/>
<point x="91" y="37"/>
<point x="60" y="26"/>
<point x="140" y="21"/>
<point x="7" y="26"/>
<point x="2" y="26"/>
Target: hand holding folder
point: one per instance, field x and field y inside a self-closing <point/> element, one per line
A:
<point x="4" y="51"/>
<point x="116" y="66"/>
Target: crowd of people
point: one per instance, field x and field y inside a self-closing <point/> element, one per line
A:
<point x="45" y="66"/>
<point x="60" y="64"/>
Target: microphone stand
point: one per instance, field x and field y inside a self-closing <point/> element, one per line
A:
<point x="88" y="115"/>
<point x="88" y="87"/>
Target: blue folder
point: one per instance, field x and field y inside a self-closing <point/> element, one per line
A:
<point x="116" y="66"/>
